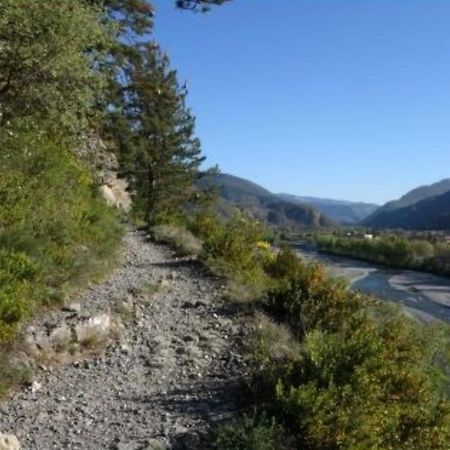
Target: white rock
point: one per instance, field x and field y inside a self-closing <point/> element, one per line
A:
<point x="9" y="442"/>
<point x="61" y="335"/>
<point x="35" y="386"/>
<point x="96" y="327"/>
<point x="73" y="307"/>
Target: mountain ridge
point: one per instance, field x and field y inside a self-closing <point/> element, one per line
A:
<point x="425" y="207"/>
<point x="344" y="212"/>
<point x="262" y="204"/>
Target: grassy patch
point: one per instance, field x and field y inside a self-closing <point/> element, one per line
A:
<point x="178" y="237"/>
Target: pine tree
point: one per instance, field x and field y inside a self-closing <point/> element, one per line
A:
<point x="146" y="118"/>
<point x="165" y="153"/>
<point x="199" y="5"/>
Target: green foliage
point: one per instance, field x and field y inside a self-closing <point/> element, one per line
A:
<point x="235" y="243"/>
<point x="307" y="298"/>
<point x="17" y="292"/>
<point x="247" y="433"/>
<point x="199" y="5"/>
<point x="365" y="388"/>
<point x="391" y="250"/>
<point x="353" y="374"/>
<point x="53" y="226"/>
<point x="48" y="50"/>
<point x="156" y="138"/>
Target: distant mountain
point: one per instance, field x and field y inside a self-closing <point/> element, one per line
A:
<point x="341" y="211"/>
<point x="427" y="207"/>
<point x="261" y="204"/>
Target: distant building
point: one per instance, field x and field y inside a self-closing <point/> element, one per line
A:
<point x="369" y="237"/>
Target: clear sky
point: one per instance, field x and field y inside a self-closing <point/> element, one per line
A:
<point x="345" y="99"/>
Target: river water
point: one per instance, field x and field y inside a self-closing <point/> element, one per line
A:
<point x="423" y="295"/>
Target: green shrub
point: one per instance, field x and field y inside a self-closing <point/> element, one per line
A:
<point x="391" y="250"/>
<point x="354" y="374"/>
<point x="366" y="388"/>
<point x="18" y="276"/>
<point x="247" y="433"/>
<point x="55" y="230"/>
<point x="307" y="298"/>
<point x="232" y="247"/>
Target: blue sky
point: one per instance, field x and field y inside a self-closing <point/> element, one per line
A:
<point x="344" y="99"/>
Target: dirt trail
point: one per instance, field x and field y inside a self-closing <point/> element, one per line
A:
<point x="173" y="373"/>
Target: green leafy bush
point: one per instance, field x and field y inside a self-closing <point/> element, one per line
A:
<point x="17" y="292"/>
<point x="54" y="228"/>
<point x="307" y="298"/>
<point x="247" y="433"/>
<point x="366" y="388"/>
<point x="352" y="373"/>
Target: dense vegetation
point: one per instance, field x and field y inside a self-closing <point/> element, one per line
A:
<point x="333" y="369"/>
<point x="393" y="250"/>
<point x="69" y="70"/>
<point x="54" y="228"/>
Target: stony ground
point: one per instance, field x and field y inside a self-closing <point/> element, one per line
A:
<point x="172" y="371"/>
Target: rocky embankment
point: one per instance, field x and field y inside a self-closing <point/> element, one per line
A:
<point x="148" y="359"/>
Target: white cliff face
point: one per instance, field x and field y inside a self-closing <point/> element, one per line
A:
<point x="104" y="162"/>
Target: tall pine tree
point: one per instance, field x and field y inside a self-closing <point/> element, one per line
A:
<point x="165" y="153"/>
<point x="146" y="118"/>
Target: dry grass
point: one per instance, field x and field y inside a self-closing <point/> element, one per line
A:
<point x="178" y="237"/>
<point x="273" y="341"/>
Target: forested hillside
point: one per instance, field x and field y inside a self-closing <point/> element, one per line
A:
<point x="424" y="208"/>
<point x="261" y="204"/>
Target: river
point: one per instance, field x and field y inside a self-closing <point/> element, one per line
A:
<point x="423" y="295"/>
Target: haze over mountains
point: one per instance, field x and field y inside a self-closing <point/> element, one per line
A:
<point x="286" y="209"/>
<point x="263" y="205"/>
<point x="423" y="208"/>
<point x="341" y="211"/>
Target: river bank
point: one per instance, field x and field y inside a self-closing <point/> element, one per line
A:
<point x="423" y="295"/>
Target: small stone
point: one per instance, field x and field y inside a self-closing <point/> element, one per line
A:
<point x="163" y="282"/>
<point x="9" y="442"/>
<point x="125" y="349"/>
<point x="96" y="327"/>
<point x="73" y="308"/>
<point x="35" y="386"/>
<point x="61" y="335"/>
<point x="172" y="275"/>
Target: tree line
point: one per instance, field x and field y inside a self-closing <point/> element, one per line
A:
<point x="391" y="250"/>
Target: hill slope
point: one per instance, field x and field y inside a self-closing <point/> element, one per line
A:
<point x="427" y="207"/>
<point x="341" y="211"/>
<point x="261" y="204"/>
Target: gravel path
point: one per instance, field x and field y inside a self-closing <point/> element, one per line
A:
<point x="173" y="372"/>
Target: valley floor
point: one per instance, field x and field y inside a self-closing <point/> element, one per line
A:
<point x="172" y="372"/>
